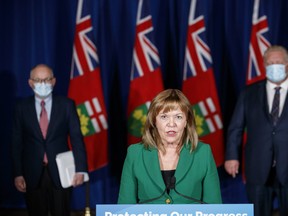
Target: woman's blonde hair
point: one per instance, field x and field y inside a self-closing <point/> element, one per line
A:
<point x="169" y="100"/>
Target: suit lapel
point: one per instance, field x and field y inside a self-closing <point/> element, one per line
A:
<point x="152" y="166"/>
<point x="264" y="101"/>
<point x="151" y="163"/>
<point x="262" y="92"/>
<point x="33" y="116"/>
<point x="285" y="107"/>
<point x="53" y="116"/>
<point x="184" y="163"/>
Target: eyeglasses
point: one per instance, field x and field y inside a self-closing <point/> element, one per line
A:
<point x="46" y="80"/>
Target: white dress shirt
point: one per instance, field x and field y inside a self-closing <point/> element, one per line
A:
<point x="270" y="88"/>
<point x="48" y="106"/>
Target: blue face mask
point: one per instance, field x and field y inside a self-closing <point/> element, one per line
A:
<point x="276" y="72"/>
<point x="43" y="89"/>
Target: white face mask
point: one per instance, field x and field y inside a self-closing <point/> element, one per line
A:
<point x="276" y="72"/>
<point x="43" y="89"/>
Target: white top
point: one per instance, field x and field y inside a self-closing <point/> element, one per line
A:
<point x="48" y="106"/>
<point x="270" y="88"/>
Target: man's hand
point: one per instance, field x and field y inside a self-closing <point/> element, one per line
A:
<point x="78" y="179"/>
<point x="20" y="183"/>
<point x="232" y="167"/>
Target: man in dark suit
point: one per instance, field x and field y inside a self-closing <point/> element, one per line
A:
<point x="262" y="109"/>
<point x="42" y="124"/>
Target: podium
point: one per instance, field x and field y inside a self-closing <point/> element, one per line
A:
<point x="175" y="210"/>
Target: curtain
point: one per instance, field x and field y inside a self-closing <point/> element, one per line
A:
<point x="41" y="31"/>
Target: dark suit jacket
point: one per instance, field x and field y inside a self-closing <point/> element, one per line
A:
<point x="28" y="144"/>
<point x="196" y="176"/>
<point x="263" y="139"/>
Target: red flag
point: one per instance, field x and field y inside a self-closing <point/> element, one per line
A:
<point x="146" y="79"/>
<point x="257" y="46"/>
<point x="199" y="85"/>
<point x="86" y="89"/>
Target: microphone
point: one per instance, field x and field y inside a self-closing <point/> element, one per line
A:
<point x="168" y="187"/>
<point x="155" y="198"/>
<point x="172" y="186"/>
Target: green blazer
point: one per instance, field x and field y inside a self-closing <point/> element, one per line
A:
<point x="196" y="176"/>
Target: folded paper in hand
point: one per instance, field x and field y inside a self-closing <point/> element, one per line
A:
<point x="66" y="168"/>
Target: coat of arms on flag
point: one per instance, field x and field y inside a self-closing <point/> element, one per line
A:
<point x="145" y="71"/>
<point x="89" y="122"/>
<point x="137" y="120"/>
<point x="207" y="118"/>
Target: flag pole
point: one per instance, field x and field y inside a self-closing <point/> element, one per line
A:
<point x="87" y="208"/>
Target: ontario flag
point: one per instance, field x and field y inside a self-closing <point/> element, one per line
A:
<point x="146" y="79"/>
<point x="257" y="45"/>
<point x="199" y="84"/>
<point x="86" y="89"/>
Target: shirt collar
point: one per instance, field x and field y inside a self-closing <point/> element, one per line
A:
<point x="46" y="100"/>
<point x="284" y="85"/>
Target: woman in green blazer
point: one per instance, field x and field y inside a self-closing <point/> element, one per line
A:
<point x="170" y="165"/>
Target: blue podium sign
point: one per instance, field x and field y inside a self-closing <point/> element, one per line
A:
<point x="175" y="210"/>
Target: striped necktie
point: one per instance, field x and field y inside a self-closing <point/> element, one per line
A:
<point x="275" y="106"/>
